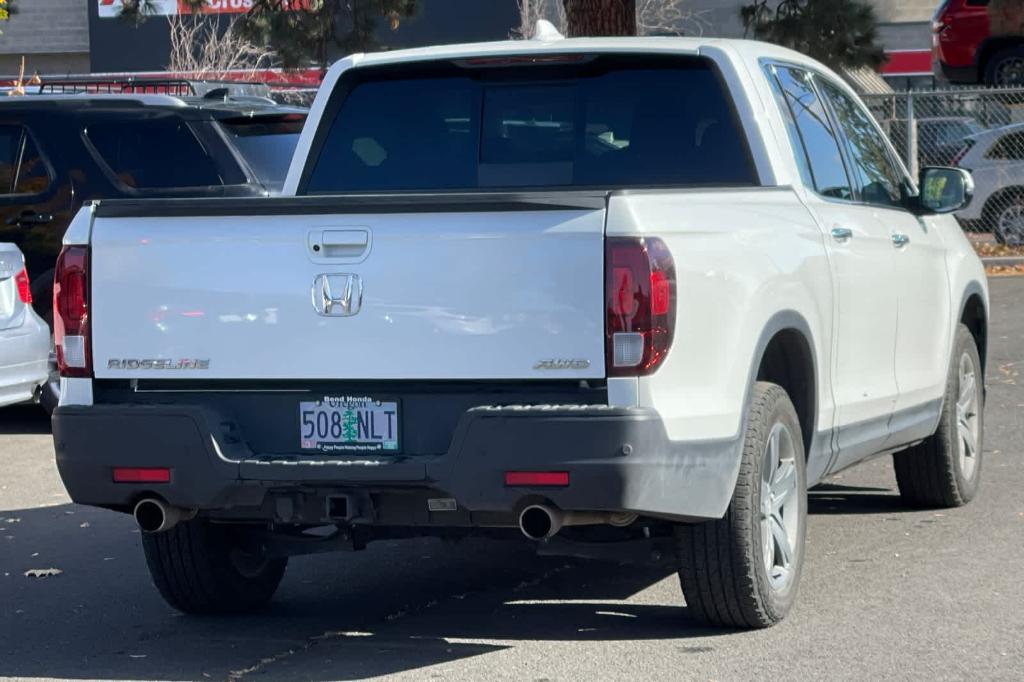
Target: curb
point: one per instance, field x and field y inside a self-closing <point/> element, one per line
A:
<point x="1003" y="260"/>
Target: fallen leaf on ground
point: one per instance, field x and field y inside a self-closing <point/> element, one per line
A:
<point x="1005" y="270"/>
<point x="42" y="572"/>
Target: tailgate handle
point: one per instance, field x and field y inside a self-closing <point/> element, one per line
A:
<point x="343" y="243"/>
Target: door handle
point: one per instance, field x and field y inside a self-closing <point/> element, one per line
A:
<point x="340" y="244"/>
<point x="29" y="218"/>
<point x="899" y="240"/>
<point x="842" y="234"/>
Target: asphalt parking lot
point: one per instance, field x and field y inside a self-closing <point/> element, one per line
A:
<point x="886" y="592"/>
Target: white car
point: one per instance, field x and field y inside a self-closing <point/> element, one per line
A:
<point x="995" y="159"/>
<point x="24" y="336"/>
<point x="626" y="297"/>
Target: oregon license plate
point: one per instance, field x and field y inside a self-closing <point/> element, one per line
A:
<point x="349" y="424"/>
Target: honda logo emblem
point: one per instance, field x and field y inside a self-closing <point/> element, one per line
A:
<point x="338" y="295"/>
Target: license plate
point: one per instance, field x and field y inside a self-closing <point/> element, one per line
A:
<point x="349" y="424"/>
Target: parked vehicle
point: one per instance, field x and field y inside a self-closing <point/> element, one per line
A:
<point x="996" y="160"/>
<point x="940" y="139"/>
<point x="616" y="295"/>
<point x="24" y="336"/>
<point x="977" y="41"/>
<point x="60" y="151"/>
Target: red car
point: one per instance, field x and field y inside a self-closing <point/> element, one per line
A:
<point x="979" y="41"/>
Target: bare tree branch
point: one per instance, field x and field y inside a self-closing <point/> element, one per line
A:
<point x="200" y="49"/>
<point x="670" y="17"/>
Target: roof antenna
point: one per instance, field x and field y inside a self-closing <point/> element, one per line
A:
<point x="545" y="30"/>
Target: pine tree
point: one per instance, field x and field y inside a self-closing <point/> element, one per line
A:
<point x="307" y="34"/>
<point x="838" y="33"/>
<point x="348" y="426"/>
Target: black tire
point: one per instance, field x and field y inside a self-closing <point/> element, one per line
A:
<point x="723" y="564"/>
<point x="198" y="568"/>
<point x="49" y="396"/>
<point x="995" y="205"/>
<point x="42" y="296"/>
<point x="933" y="474"/>
<point x="996" y="67"/>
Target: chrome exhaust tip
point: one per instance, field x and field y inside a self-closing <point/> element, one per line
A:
<point x="155" y="516"/>
<point x="539" y="522"/>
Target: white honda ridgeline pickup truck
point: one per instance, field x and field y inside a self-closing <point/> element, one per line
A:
<point x="629" y="298"/>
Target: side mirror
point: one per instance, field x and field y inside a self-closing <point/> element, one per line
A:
<point x="944" y="190"/>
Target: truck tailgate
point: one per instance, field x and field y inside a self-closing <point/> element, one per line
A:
<point x="446" y="293"/>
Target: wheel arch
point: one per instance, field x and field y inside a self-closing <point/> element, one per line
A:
<point x="990" y="47"/>
<point x="991" y="205"/>
<point x="974" y="315"/>
<point x="786" y="356"/>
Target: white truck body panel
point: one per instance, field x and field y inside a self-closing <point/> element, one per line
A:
<point x="466" y="295"/>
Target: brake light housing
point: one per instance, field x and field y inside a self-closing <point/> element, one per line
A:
<point x="71" y="331"/>
<point x="959" y="156"/>
<point x="640" y="305"/>
<point x="24" y="287"/>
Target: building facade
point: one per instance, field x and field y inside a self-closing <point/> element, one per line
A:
<point x="904" y="29"/>
<point x="52" y="36"/>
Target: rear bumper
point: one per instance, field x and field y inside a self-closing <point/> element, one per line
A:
<point x="967" y="75"/>
<point x="617" y="460"/>
<point x="24" y="358"/>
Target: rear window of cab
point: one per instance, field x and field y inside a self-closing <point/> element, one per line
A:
<point x="592" y="122"/>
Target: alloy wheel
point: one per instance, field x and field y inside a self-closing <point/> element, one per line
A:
<point x="1011" y="224"/>
<point x="1010" y="72"/>
<point x="967" y="406"/>
<point x="780" y="507"/>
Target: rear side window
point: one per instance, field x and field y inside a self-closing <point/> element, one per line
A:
<point x="604" y="123"/>
<point x="811" y="135"/>
<point x="158" y="153"/>
<point x="880" y="180"/>
<point x="267" y="144"/>
<point x="22" y="168"/>
<point x="1008" y="148"/>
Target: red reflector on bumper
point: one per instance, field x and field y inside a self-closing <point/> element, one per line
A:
<point x="551" y="478"/>
<point x="137" y="475"/>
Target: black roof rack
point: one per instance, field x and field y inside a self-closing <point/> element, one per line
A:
<point x="176" y="87"/>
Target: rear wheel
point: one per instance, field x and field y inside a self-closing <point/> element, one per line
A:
<point x="945" y="469"/>
<point x="743" y="570"/>
<point x="1008" y="220"/>
<point x="200" y="567"/>
<point x="1006" y="68"/>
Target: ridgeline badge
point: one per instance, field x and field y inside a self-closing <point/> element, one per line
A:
<point x="158" y="363"/>
<point x="570" y="363"/>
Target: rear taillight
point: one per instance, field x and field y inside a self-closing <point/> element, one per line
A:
<point x="71" y="312"/>
<point x="24" y="288"/>
<point x="640" y="304"/>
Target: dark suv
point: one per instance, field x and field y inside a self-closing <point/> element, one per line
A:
<point x="59" y="151"/>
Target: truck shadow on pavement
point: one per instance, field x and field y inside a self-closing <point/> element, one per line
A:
<point x="23" y="420"/>
<point x="832" y="498"/>
<point x="394" y="607"/>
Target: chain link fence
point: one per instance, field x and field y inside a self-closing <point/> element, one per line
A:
<point x="300" y="97"/>
<point x="980" y="129"/>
